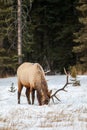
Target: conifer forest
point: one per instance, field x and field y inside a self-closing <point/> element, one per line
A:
<point x="50" y="32"/>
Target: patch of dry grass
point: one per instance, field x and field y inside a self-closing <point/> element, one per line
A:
<point x="50" y="119"/>
<point x="57" y="119"/>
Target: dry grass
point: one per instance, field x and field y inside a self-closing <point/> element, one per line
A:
<point x="62" y="119"/>
<point x="50" y="119"/>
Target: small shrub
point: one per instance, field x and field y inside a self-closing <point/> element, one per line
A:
<point x="73" y="72"/>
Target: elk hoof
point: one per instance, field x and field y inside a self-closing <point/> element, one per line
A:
<point x="18" y="102"/>
<point x="29" y="102"/>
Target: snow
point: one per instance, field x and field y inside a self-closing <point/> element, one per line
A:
<point x="69" y="114"/>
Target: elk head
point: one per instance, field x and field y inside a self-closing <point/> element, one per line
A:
<point x="46" y="100"/>
<point x="45" y="93"/>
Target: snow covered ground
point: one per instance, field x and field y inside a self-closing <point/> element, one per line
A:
<point x="69" y="114"/>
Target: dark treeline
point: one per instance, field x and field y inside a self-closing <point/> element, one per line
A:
<point x="54" y="33"/>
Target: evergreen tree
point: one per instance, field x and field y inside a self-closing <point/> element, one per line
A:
<point x="52" y="24"/>
<point x="81" y="37"/>
<point x="47" y="31"/>
<point x="27" y="33"/>
<point x="7" y="36"/>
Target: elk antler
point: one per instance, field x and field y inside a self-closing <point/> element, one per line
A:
<point x="61" y="89"/>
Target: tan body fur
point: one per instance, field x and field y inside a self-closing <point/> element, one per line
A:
<point x="31" y="75"/>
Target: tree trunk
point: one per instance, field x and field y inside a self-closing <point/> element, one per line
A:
<point x="19" y="33"/>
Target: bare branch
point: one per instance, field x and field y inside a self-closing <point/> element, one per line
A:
<point x="47" y="71"/>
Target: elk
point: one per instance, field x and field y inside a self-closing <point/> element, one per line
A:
<point x="32" y="76"/>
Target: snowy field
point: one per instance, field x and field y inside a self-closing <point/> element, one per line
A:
<point x="69" y="114"/>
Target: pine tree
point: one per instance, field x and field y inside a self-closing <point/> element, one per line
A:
<point x="27" y="33"/>
<point x="7" y="38"/>
<point x="53" y="24"/>
<point x="81" y="37"/>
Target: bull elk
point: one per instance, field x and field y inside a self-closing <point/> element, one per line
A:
<point x="32" y="76"/>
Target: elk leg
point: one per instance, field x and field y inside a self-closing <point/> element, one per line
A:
<point x="28" y="95"/>
<point x="33" y="96"/>
<point x="20" y="86"/>
<point x="39" y="97"/>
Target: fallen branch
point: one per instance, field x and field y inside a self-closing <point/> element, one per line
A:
<point x="47" y="71"/>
